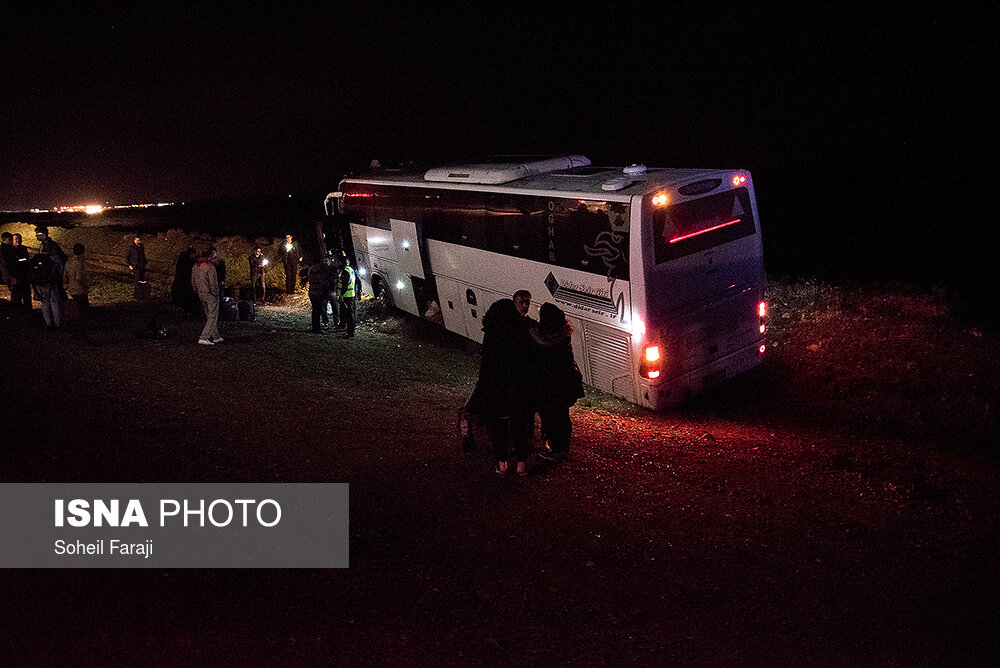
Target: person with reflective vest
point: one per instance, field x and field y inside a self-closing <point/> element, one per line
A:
<point x="347" y="305"/>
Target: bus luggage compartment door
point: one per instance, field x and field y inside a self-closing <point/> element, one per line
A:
<point x="452" y="309"/>
<point x="475" y="302"/>
<point x="409" y="247"/>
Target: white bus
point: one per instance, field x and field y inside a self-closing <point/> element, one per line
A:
<point x="659" y="271"/>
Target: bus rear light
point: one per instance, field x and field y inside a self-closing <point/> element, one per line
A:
<point x="761" y="349"/>
<point x="762" y="328"/>
<point x="739" y="179"/>
<point x="660" y="199"/>
<point x="651" y="364"/>
<point x="762" y="309"/>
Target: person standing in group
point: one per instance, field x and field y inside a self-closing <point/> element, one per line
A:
<point x="522" y="300"/>
<point x="182" y="291"/>
<point x="559" y="382"/>
<point x="291" y="255"/>
<point x="20" y="287"/>
<point x="220" y="270"/>
<point x="76" y="284"/>
<point x="205" y="281"/>
<point x="320" y="278"/>
<point x="258" y="264"/>
<point x="348" y="313"/>
<point x="48" y="245"/>
<point x="135" y="259"/>
<point x="7" y="260"/>
<point x="503" y="391"/>
<point x="45" y="275"/>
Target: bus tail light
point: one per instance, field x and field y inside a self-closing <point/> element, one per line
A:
<point x="761" y="314"/>
<point x="651" y="363"/>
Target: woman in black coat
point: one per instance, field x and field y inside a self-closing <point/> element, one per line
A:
<point x="560" y="383"/>
<point x="503" y="392"/>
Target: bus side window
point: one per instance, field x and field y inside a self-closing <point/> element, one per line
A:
<point x="513" y="228"/>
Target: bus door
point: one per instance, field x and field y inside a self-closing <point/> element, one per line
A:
<point x="409" y="246"/>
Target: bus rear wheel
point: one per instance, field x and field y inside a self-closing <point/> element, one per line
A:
<point x="382" y="292"/>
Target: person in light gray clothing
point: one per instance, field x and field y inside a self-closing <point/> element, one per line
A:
<point x="205" y="281"/>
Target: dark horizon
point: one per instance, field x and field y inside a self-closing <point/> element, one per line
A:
<point x="863" y="132"/>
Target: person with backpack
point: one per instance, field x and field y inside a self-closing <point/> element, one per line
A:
<point x="45" y="276"/>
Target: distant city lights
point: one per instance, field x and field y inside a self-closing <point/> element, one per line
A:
<point x="94" y="209"/>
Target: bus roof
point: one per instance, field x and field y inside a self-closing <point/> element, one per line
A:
<point x="572" y="174"/>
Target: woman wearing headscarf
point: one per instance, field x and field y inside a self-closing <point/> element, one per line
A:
<point x="503" y="392"/>
<point x="560" y="383"/>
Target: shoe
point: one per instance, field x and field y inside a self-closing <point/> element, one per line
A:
<point x="205" y="342"/>
<point x="218" y="339"/>
<point x="501" y="468"/>
<point x="522" y="469"/>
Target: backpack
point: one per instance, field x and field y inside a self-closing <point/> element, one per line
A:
<point x="41" y="270"/>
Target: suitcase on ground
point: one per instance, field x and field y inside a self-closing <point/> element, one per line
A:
<point x="69" y="310"/>
<point x="246" y="311"/>
<point x="227" y="310"/>
<point x="142" y="291"/>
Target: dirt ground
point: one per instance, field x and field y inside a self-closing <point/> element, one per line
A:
<point x="836" y="506"/>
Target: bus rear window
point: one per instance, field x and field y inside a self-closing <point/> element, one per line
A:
<point x="700" y="224"/>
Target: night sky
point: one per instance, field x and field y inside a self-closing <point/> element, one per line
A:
<point x="870" y="121"/>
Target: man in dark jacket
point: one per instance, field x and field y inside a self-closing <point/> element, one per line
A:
<point x="182" y="291"/>
<point x="522" y="300"/>
<point x="20" y="288"/>
<point x="135" y="259"/>
<point x="321" y="278"/>
<point x="258" y="264"/>
<point x="7" y="259"/>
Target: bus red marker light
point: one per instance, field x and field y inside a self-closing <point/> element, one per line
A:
<point x="710" y="229"/>
<point x="762" y="309"/>
<point x="653" y="374"/>
<point x="761" y="349"/>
